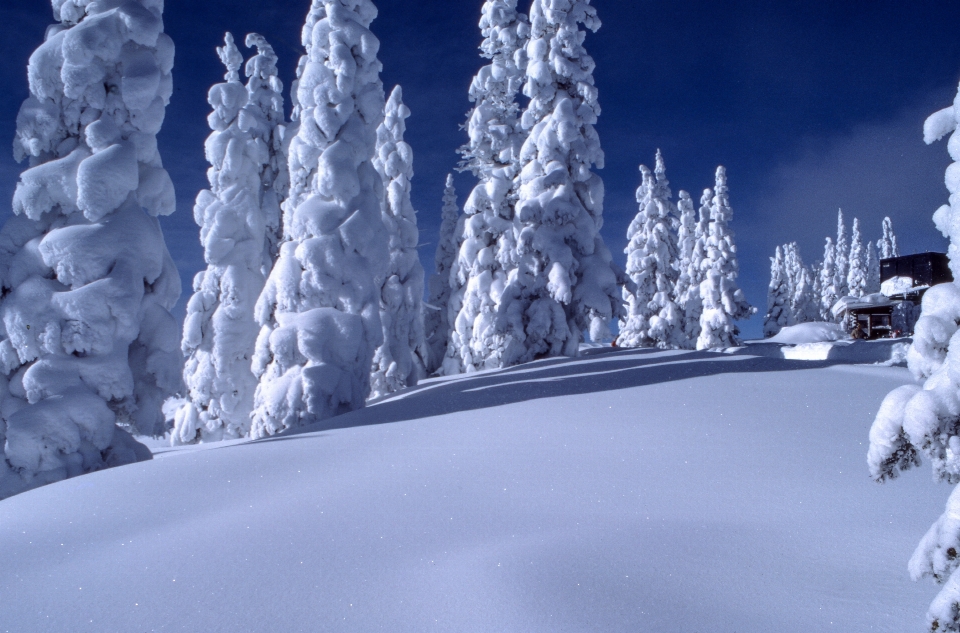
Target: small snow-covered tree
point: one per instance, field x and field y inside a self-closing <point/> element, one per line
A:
<point x="816" y="290"/>
<point x="916" y="419"/>
<point x="437" y="314"/>
<point x="723" y="301"/>
<point x="488" y="250"/>
<point x="873" y="269"/>
<point x="806" y="300"/>
<point x="653" y="318"/>
<point x="87" y="340"/>
<point x="565" y="281"/>
<point x="238" y="218"/>
<point x="792" y="265"/>
<point x="689" y="300"/>
<point x="320" y="308"/>
<point x="887" y="244"/>
<point x="829" y="294"/>
<point x="779" y="314"/>
<point x="688" y="275"/>
<point x="401" y="360"/>
<point x="841" y="257"/>
<point x="857" y="267"/>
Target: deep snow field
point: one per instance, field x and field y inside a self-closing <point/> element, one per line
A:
<point x="634" y="491"/>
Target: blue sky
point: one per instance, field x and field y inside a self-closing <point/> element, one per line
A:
<point x="810" y="105"/>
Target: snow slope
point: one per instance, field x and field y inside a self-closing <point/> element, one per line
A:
<point x="624" y="491"/>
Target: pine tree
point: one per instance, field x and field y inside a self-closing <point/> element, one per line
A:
<point x="806" y="298"/>
<point x="653" y="318"/>
<point x="916" y="419"/>
<point x="488" y="253"/>
<point x="778" y="297"/>
<point x="690" y="301"/>
<point x="688" y="281"/>
<point x="857" y="271"/>
<point x="873" y="269"/>
<point x="400" y="361"/>
<point x="841" y="258"/>
<point x="828" y="279"/>
<point x="87" y="282"/>
<point x="320" y="309"/>
<point x="723" y="301"/>
<point x="437" y="314"/>
<point x="565" y="281"/>
<point x="887" y="245"/>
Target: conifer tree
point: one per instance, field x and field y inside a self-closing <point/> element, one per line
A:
<point x="437" y="314"/>
<point x="687" y="291"/>
<point x="887" y="245"/>
<point x="841" y="258"/>
<point x="828" y="279"/>
<point x="857" y="269"/>
<point x="873" y="269"/>
<point x="320" y="308"/>
<point x="690" y="301"/>
<point x="778" y="297"/>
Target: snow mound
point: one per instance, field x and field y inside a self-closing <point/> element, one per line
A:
<point x="804" y="333"/>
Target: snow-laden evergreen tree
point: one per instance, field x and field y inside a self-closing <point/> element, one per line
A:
<point x="857" y="266"/>
<point x="87" y="340"/>
<point x="816" y="290"/>
<point x="653" y="318"/>
<point x="436" y="316"/>
<point x="401" y="360"/>
<point x="841" y="257"/>
<point x="488" y="251"/>
<point x="779" y="314"/>
<point x="565" y="281"/>
<point x="873" y="269"/>
<point x="320" y="308"/>
<point x="238" y="217"/>
<point x="916" y="419"/>
<point x="689" y="300"/>
<point x="805" y="303"/>
<point x="723" y="301"/>
<point x="792" y="265"/>
<point x="829" y="294"/>
<point x="887" y="245"/>
<point x="687" y="289"/>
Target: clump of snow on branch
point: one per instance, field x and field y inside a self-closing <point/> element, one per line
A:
<point x="437" y="314"/>
<point x="401" y="360"/>
<point x="87" y="341"/>
<point x="238" y="218"/>
<point x="320" y="308"/>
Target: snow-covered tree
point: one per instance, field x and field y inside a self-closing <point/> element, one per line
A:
<point x="437" y="313"/>
<point x="887" y="245"/>
<point x="857" y="266"/>
<point x="829" y="294"/>
<point x="687" y="290"/>
<point x="87" y="339"/>
<point x="653" y="318"/>
<point x="238" y="217"/>
<point x="816" y="290"/>
<point x="401" y="360"/>
<point x="689" y="299"/>
<point x="841" y="257"/>
<point x="320" y="308"/>
<point x="488" y="250"/>
<point x="723" y="301"/>
<point x="779" y="314"/>
<point x="873" y="269"/>
<point x="805" y="303"/>
<point x="565" y="281"/>
<point x="916" y="419"/>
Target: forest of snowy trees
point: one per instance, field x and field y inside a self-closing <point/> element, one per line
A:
<point x="312" y="299"/>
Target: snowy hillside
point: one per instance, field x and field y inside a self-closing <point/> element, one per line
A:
<point x="623" y="491"/>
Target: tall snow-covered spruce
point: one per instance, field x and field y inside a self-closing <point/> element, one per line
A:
<point x="565" y="281"/>
<point x="723" y="301"/>
<point x="238" y="218"/>
<point x="320" y="308"/>
<point x="916" y="419"/>
<point x="88" y="341"/>
<point x="436" y="316"/>
<point x="401" y="360"/>
<point x="488" y="252"/>
<point x="653" y="318"/>
<point x="888" y="243"/>
<point x="829" y="293"/>
<point x="857" y="264"/>
<point x="687" y="290"/>
<point x="778" y="314"/>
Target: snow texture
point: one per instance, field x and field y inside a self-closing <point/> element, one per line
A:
<point x="653" y="317"/>
<point x="320" y="309"/>
<point x="488" y="251"/>
<point x="87" y="340"/>
<point x="915" y="419"/>
<point x="565" y="282"/>
<point x="401" y="360"/>
<point x="723" y="301"/>
<point x="239" y="218"/>
<point x="806" y="333"/>
<point x="437" y="313"/>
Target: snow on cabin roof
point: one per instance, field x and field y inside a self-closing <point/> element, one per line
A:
<point x="845" y="304"/>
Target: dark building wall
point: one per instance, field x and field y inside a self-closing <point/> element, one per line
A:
<point x="926" y="269"/>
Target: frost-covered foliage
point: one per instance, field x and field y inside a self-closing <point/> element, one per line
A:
<point x="925" y="419"/>
<point x="401" y="360"/>
<point x="437" y="316"/>
<point x="841" y="258"/>
<point x="687" y="291"/>
<point x="320" y="308"/>
<point x="857" y="265"/>
<point x="873" y="269"/>
<point x="805" y="302"/>
<point x="239" y="217"/>
<point x="565" y="281"/>
<point x="653" y="318"/>
<point x="88" y="341"/>
<point x="829" y="294"/>
<point x="488" y="251"/>
<point x="779" y="314"/>
<point x="887" y="245"/>
<point x="723" y="301"/>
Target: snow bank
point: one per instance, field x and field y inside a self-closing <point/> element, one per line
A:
<point x="815" y="332"/>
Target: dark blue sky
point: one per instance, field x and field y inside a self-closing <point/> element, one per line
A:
<point x="811" y="105"/>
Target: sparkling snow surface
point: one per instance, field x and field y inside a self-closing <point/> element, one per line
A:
<point x="624" y="491"/>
